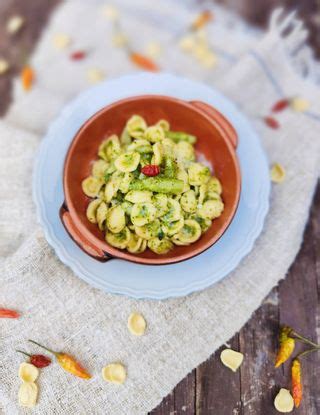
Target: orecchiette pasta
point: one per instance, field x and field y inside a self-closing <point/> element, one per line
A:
<point x="137" y="212"/>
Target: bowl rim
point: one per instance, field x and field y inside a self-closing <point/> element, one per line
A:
<point x="114" y="253"/>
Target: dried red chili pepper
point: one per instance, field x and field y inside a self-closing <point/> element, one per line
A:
<point x="280" y="105"/>
<point x="287" y="345"/>
<point x="151" y="170"/>
<point x="271" y="122"/>
<point x="143" y="62"/>
<point x="296" y="382"/>
<point x="78" y="55"/>
<point x="38" y="360"/>
<point x="5" y="313"/>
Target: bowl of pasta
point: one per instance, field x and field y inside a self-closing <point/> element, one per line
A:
<point x="151" y="179"/>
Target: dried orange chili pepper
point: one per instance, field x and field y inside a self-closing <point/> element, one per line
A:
<point x="143" y="62"/>
<point x="296" y="382"/>
<point x="68" y="363"/>
<point x="27" y="77"/>
<point x="286" y="348"/>
<point x="5" y="313"/>
<point x="202" y="20"/>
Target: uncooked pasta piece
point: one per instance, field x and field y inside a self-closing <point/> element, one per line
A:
<point x="114" y="373"/>
<point x="137" y="324"/>
<point x="28" y="372"/>
<point x="231" y="359"/>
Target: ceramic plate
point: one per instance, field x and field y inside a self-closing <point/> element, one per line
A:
<point x="143" y="281"/>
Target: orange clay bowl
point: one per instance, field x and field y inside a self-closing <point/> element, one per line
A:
<point x="216" y="142"/>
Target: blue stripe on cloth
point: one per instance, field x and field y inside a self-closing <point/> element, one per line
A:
<point x="269" y="74"/>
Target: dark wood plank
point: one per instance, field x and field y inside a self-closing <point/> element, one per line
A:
<point x="184" y="395"/>
<point x="166" y="407"/>
<point x="258" y="343"/>
<point x="17" y="49"/>
<point x="300" y="307"/>
<point x="218" y="388"/>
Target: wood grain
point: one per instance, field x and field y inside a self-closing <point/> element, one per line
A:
<point x="17" y="49"/>
<point x="212" y="389"/>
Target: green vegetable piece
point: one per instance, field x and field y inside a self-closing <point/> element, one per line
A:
<point x="170" y="168"/>
<point x="177" y="136"/>
<point x="158" y="184"/>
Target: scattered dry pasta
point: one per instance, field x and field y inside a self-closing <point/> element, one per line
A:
<point x="137" y="324"/>
<point x="231" y="359"/>
<point x="284" y="402"/>
<point x="148" y="191"/>
<point x="14" y="24"/>
<point x="114" y="373"/>
<point x="28" y="372"/>
<point x="28" y="391"/>
<point x="277" y="173"/>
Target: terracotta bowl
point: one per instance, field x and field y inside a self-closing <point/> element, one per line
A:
<point x="217" y="142"/>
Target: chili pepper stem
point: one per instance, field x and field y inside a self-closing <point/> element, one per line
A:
<point x="46" y="348"/>
<point x="304" y="339"/>
<point x="20" y="351"/>
<point x="307" y="352"/>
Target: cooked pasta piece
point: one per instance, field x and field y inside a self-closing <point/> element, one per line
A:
<point x="116" y="220"/>
<point x="119" y="240"/>
<point x="91" y="186"/>
<point x="143" y="213"/>
<point x="92" y="210"/>
<point x="160" y="246"/>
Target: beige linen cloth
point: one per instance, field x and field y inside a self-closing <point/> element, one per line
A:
<point x="67" y="314"/>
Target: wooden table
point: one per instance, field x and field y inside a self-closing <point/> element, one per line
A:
<point x="212" y="389"/>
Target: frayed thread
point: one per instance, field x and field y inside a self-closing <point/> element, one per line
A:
<point x="293" y="34"/>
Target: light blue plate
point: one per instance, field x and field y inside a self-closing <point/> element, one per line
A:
<point x="142" y="281"/>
